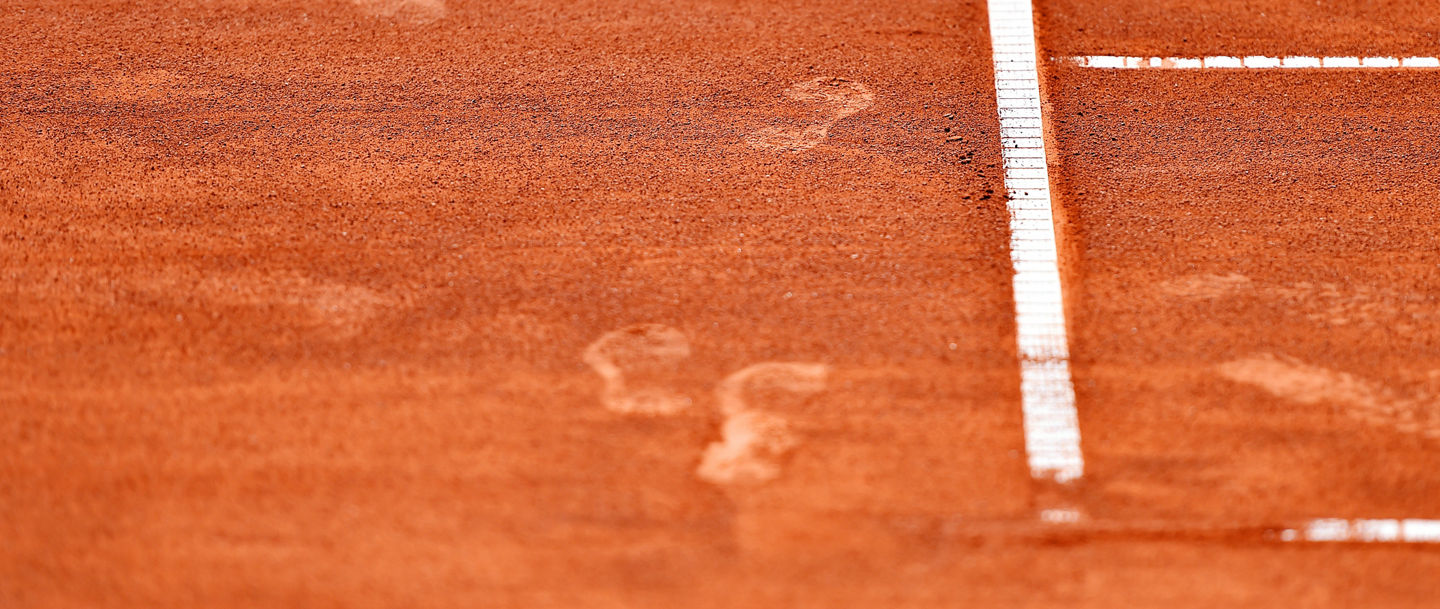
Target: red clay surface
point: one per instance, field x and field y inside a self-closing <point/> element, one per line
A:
<point x="1394" y="28"/>
<point x="297" y="297"/>
<point x="1251" y="271"/>
<point x="297" y="302"/>
<point x="1252" y="291"/>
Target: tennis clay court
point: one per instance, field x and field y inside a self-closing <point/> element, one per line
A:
<point x="719" y="304"/>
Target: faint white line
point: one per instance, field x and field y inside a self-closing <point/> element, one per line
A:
<point x="1410" y="530"/>
<point x="1257" y="62"/>
<point x="1052" y="430"/>
<point x="1060" y="516"/>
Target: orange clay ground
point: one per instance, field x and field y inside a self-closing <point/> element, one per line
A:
<point x="440" y="303"/>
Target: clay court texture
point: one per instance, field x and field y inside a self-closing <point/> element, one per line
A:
<point x="448" y="303"/>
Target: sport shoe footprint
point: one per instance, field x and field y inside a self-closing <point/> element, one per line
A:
<point x="753" y="442"/>
<point x="413" y="11"/>
<point x="834" y="98"/>
<point x="1361" y="399"/>
<point x="637" y="362"/>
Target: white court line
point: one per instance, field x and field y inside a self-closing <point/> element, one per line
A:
<point x="1047" y="397"/>
<point x="1410" y="530"/>
<point x="1115" y="62"/>
<point x="1052" y="431"/>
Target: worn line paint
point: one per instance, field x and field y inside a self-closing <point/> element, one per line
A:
<point x="1256" y="62"/>
<point x="1408" y="530"/>
<point x="1052" y="429"/>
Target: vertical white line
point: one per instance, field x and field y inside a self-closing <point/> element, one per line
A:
<point x="1052" y="430"/>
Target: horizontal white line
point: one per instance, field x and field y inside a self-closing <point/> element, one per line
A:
<point x="1117" y="62"/>
<point x="1411" y="530"/>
